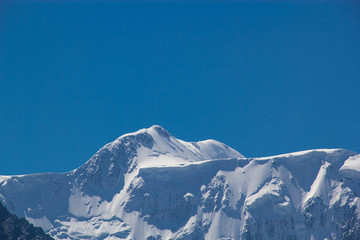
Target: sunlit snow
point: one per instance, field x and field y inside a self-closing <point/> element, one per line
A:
<point x="150" y="185"/>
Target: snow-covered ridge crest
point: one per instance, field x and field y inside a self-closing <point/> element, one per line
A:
<point x="161" y="142"/>
<point x="151" y="185"/>
<point x="104" y="173"/>
<point x="146" y="145"/>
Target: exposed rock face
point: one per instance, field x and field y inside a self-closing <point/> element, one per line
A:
<point x="150" y="185"/>
<point x="11" y="227"/>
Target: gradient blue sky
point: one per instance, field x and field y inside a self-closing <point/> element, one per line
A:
<point x="264" y="78"/>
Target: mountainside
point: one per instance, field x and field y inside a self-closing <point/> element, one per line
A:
<point x="150" y="185"/>
<point x="13" y="228"/>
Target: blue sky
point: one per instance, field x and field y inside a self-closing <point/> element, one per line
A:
<point x="264" y="78"/>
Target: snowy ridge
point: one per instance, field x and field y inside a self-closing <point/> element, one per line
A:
<point x="150" y="185"/>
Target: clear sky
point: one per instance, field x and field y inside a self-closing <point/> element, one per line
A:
<point x="264" y="78"/>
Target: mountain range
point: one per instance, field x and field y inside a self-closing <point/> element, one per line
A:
<point x="151" y="185"/>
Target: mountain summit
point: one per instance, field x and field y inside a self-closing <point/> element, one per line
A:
<point x="151" y="185"/>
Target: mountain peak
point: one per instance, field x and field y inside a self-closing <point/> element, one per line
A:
<point x="153" y="131"/>
<point x="157" y="128"/>
<point x="159" y="140"/>
<point x="148" y="147"/>
<point x="151" y="185"/>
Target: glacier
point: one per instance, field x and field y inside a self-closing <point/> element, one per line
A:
<point x="151" y="185"/>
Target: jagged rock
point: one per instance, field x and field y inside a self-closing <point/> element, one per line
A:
<point x="11" y="227"/>
<point x="150" y="185"/>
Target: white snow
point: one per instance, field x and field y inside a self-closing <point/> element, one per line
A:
<point x="351" y="167"/>
<point x="321" y="186"/>
<point x="151" y="184"/>
<point x="41" y="222"/>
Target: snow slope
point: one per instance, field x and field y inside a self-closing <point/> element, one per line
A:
<point x="150" y="185"/>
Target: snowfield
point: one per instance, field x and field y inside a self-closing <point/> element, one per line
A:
<point x="150" y="185"/>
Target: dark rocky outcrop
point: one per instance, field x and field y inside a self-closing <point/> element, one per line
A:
<point x="12" y="227"/>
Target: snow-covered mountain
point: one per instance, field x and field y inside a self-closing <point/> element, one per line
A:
<point x="150" y="185"/>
